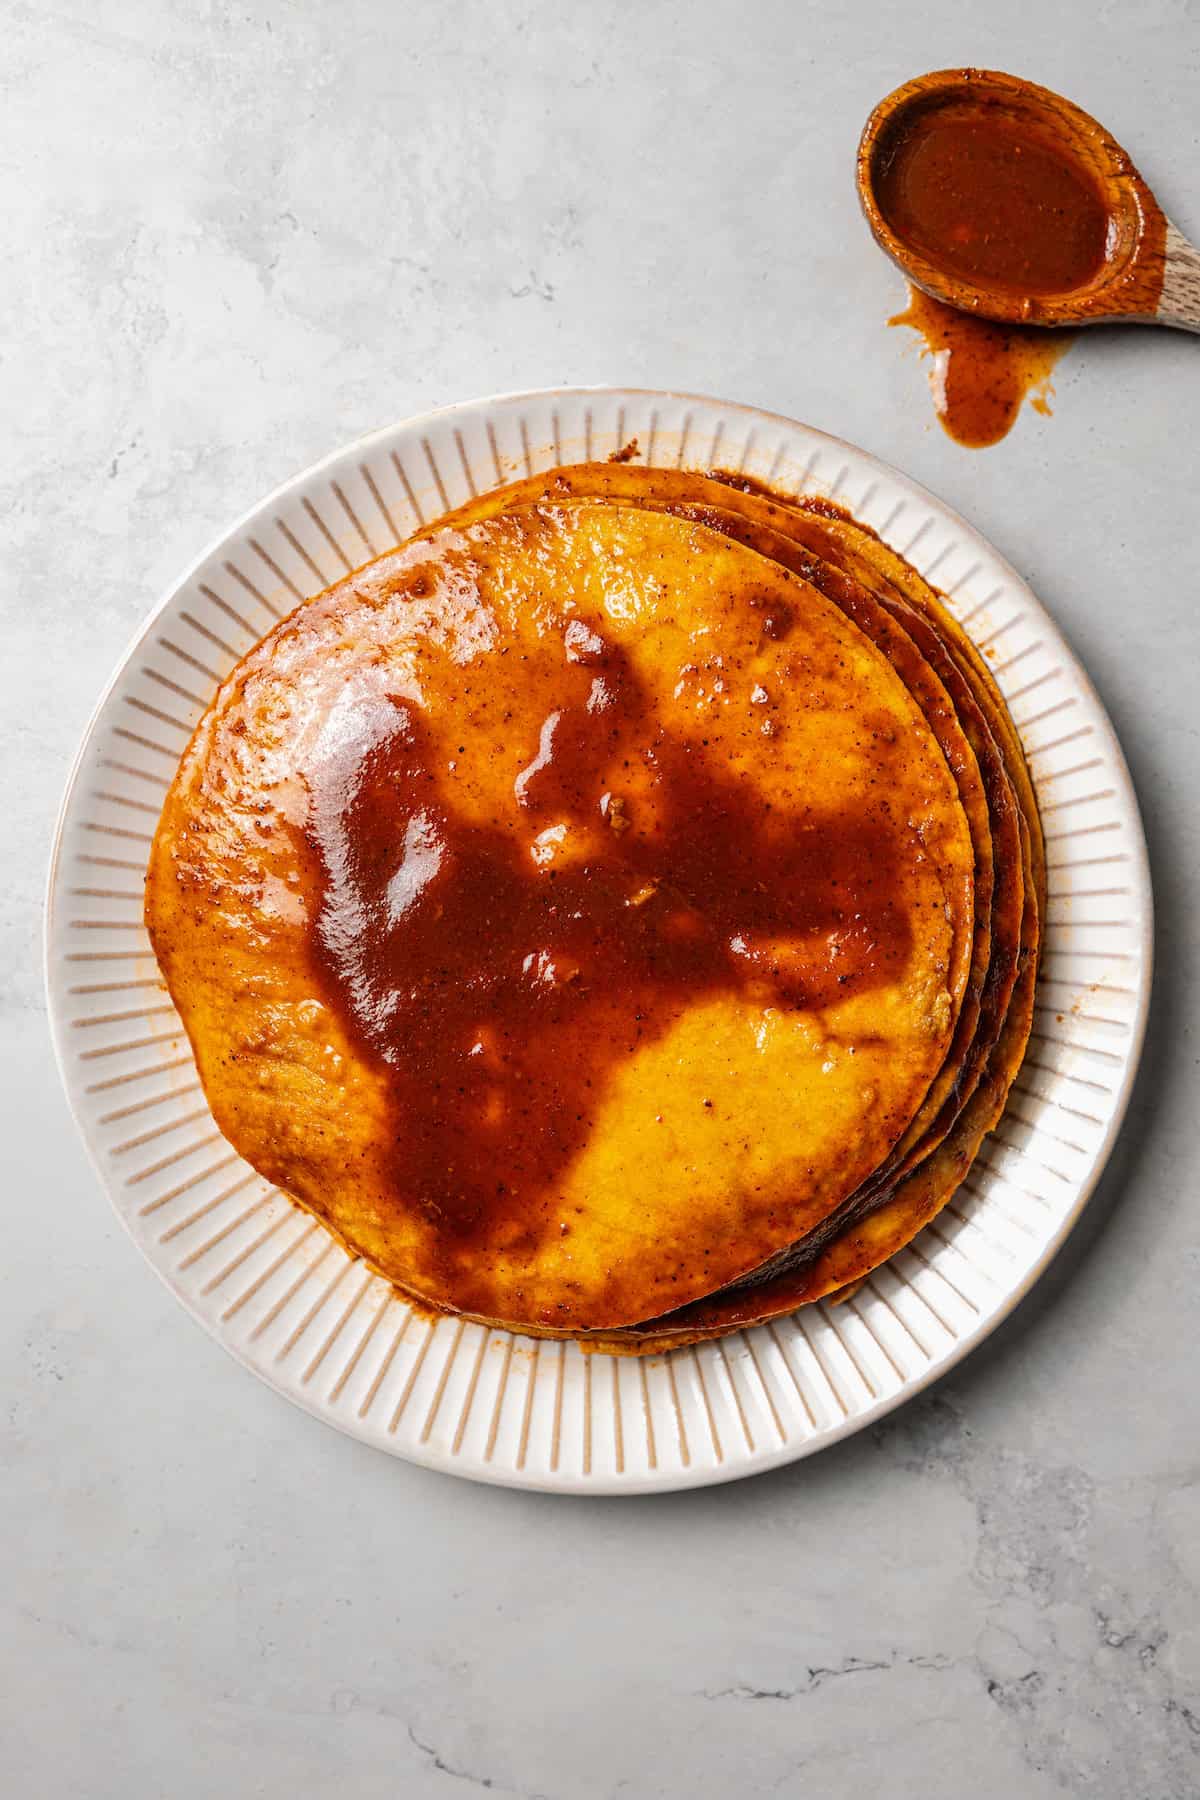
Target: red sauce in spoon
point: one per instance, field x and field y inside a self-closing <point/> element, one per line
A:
<point x="983" y="195"/>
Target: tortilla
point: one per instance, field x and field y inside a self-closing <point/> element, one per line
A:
<point x="556" y="848"/>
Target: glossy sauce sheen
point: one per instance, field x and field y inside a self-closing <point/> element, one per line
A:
<point x="978" y="193"/>
<point x="498" y="987"/>
<point x="982" y="370"/>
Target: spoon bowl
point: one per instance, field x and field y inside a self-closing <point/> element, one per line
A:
<point x="1144" y="270"/>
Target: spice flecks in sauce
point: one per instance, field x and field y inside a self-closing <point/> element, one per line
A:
<point x="981" y="370"/>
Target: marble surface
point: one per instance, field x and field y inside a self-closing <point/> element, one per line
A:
<point x="235" y="237"/>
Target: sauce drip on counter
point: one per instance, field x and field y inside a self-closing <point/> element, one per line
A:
<point x="499" y="971"/>
<point x="981" y="195"/>
<point x="981" y="370"/>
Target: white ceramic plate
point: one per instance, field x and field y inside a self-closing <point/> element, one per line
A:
<point x="267" y="1280"/>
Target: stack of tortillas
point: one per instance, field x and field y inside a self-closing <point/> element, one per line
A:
<point x="615" y="912"/>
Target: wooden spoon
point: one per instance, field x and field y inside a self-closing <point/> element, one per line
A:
<point x="1146" y="270"/>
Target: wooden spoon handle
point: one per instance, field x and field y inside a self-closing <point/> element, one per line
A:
<point x="1179" y="302"/>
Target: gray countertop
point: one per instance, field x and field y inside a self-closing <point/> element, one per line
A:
<point x="236" y="237"/>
